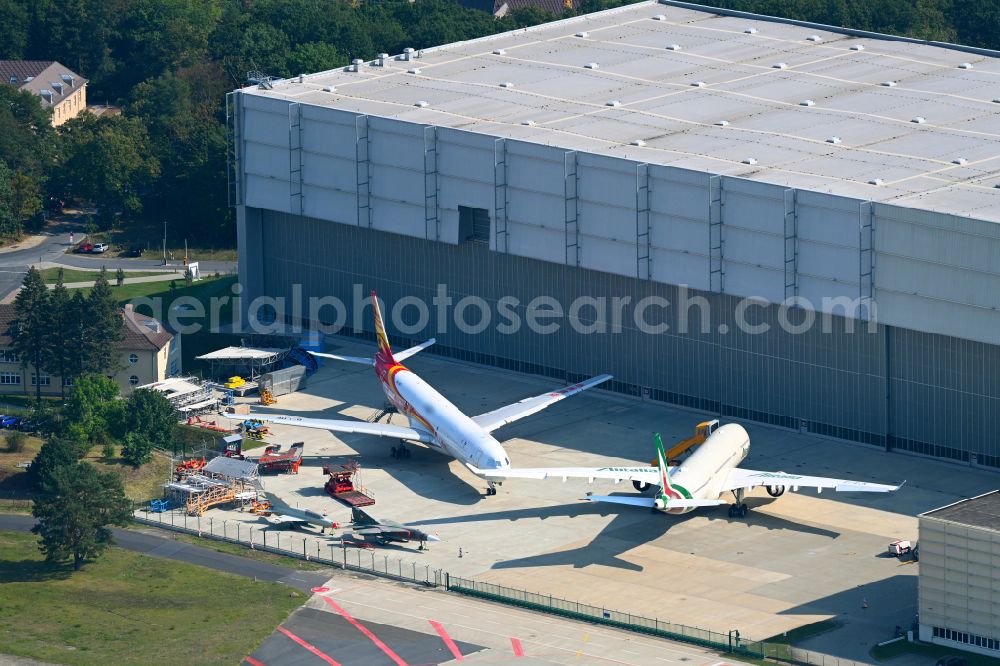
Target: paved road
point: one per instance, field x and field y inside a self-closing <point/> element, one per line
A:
<point x="14" y="264"/>
<point x="157" y="546"/>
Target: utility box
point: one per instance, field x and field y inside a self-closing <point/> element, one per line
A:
<point x="286" y="380"/>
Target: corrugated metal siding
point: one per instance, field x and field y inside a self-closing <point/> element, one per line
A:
<point x="928" y="271"/>
<point x="943" y="394"/>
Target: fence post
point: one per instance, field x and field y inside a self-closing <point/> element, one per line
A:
<point x="251" y="538"/>
<point x="304" y="553"/>
<point x="211" y="526"/>
<point x="199" y="524"/>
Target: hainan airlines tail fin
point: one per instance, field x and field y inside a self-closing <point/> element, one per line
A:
<point x="380" y="336"/>
<point x="383" y="344"/>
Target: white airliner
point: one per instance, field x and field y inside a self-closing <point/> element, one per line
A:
<point x="697" y="482"/>
<point x="434" y="421"/>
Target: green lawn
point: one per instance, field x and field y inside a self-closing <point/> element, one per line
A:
<point x="51" y="275"/>
<point x="778" y="646"/>
<point x="236" y="549"/>
<point x="141" y="483"/>
<point x="127" y="608"/>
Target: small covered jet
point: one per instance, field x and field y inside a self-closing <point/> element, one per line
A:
<point x="386" y="531"/>
<point x="698" y="482"/>
<point x="281" y="514"/>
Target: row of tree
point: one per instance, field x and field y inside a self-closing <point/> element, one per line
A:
<point x="63" y="334"/>
<point x="169" y="64"/>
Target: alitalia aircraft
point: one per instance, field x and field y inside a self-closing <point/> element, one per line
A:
<point x="700" y="480"/>
<point x="434" y="420"/>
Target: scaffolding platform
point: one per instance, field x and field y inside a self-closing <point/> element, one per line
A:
<point x="344" y="484"/>
<point x="276" y="460"/>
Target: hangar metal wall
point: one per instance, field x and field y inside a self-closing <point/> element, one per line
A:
<point x="926" y="271"/>
<point x="893" y="387"/>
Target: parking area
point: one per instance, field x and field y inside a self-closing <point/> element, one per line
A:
<point x="795" y="560"/>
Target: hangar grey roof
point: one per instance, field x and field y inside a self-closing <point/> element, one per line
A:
<point x="981" y="511"/>
<point x="859" y="115"/>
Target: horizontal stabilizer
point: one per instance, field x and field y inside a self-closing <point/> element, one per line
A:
<point x="647" y="502"/>
<point x="407" y="353"/>
<point x="363" y="360"/>
<point x="356" y="427"/>
<point x="650" y="502"/>
<point x="693" y="503"/>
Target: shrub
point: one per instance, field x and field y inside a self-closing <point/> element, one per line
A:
<point x="16" y="441"/>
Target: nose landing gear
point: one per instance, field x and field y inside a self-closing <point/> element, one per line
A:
<point x="492" y="489"/>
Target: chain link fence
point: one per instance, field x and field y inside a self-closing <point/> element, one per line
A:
<point x="726" y="642"/>
<point x="370" y="561"/>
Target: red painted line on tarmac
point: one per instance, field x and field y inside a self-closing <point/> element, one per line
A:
<point x="447" y="640"/>
<point x="322" y="655"/>
<point x="372" y="637"/>
<point x="516" y="644"/>
<point x="253" y="662"/>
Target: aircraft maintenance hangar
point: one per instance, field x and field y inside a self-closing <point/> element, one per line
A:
<point x="836" y="188"/>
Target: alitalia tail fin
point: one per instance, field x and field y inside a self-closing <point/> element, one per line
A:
<point x="665" y="487"/>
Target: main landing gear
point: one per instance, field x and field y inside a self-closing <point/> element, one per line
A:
<point x="739" y="509"/>
<point x="492" y="489"/>
<point x="400" y="452"/>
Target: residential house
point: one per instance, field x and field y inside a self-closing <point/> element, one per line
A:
<point x="148" y="353"/>
<point x="61" y="90"/>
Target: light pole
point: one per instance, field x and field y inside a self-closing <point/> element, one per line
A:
<point x="164" y="242"/>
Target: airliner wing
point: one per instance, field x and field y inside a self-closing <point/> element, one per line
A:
<point x="407" y="353"/>
<point x="650" y="475"/>
<point x="288" y="520"/>
<point x="359" y="427"/>
<point x="749" y="478"/>
<point x="490" y="421"/>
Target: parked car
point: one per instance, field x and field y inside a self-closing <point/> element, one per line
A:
<point x="84" y="248"/>
<point x="134" y="251"/>
<point x="10" y="422"/>
<point x="99" y="248"/>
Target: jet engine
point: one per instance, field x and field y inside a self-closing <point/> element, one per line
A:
<point x="660" y="504"/>
<point x="641" y="486"/>
<point x="775" y="491"/>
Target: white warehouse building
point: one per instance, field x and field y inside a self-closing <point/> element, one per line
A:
<point x="660" y="153"/>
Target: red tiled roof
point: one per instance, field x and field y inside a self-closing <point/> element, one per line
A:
<point x="139" y="331"/>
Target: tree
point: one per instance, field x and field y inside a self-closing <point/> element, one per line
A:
<point x="108" y="162"/>
<point x="136" y="448"/>
<point x="73" y="517"/>
<point x="149" y="415"/>
<point x="102" y="328"/>
<point x="29" y="331"/>
<point x="55" y="454"/>
<point x="9" y="223"/>
<point x="75" y="321"/>
<point x="63" y="339"/>
<point x="119" y="276"/>
<point x="93" y="406"/>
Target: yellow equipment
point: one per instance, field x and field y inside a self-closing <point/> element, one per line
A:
<point x="235" y="382"/>
<point x="701" y="433"/>
<point x="266" y="398"/>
